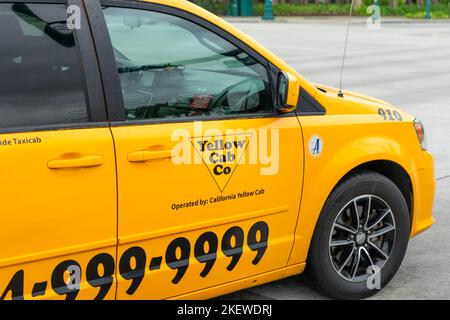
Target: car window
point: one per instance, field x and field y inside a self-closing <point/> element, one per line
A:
<point x="172" y="68"/>
<point x="41" y="77"/>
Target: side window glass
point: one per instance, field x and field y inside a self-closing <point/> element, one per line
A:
<point x="172" y="68"/>
<point x="40" y="71"/>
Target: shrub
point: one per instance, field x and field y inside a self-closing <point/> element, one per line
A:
<point x="438" y="11"/>
<point x="217" y="7"/>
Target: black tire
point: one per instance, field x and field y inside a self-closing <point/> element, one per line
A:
<point x="321" y="274"/>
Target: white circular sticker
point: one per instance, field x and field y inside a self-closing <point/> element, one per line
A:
<point x="315" y="146"/>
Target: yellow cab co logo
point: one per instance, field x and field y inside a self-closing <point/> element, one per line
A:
<point x="221" y="155"/>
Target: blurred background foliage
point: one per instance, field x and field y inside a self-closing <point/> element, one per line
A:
<point x="440" y="9"/>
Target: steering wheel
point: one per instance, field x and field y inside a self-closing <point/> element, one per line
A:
<point x="241" y="101"/>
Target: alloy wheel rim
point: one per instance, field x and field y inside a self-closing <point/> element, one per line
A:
<point x="362" y="238"/>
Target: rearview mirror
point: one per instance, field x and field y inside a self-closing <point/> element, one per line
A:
<point x="287" y="92"/>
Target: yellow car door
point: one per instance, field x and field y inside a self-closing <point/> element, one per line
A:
<point x="57" y="167"/>
<point x="209" y="174"/>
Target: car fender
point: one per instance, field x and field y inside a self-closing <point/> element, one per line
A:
<point x="321" y="177"/>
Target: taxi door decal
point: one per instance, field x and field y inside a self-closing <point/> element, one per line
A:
<point x="222" y="154"/>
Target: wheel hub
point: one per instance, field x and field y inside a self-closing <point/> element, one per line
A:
<point x="361" y="238"/>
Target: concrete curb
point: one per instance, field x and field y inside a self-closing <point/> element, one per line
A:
<point x="325" y="19"/>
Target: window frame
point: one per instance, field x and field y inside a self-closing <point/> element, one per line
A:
<point x="90" y="76"/>
<point x="112" y="86"/>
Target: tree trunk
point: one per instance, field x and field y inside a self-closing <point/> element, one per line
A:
<point x="393" y="4"/>
<point x="357" y="4"/>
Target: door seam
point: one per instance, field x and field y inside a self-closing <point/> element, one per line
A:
<point x="117" y="212"/>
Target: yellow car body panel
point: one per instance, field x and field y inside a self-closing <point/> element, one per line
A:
<point x="86" y="215"/>
<point x="51" y="215"/>
<point x="177" y="184"/>
<point x="354" y="140"/>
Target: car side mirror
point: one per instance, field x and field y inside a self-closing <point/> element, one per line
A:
<point x="288" y="90"/>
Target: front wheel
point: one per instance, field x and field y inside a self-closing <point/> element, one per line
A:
<point x="360" y="238"/>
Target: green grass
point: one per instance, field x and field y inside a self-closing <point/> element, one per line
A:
<point x="289" y="9"/>
<point x="434" y="15"/>
<point x="438" y="11"/>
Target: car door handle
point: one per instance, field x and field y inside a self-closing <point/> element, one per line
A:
<point x="81" y="162"/>
<point x="145" y="155"/>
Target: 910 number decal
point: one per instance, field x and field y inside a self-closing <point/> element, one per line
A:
<point x="66" y="276"/>
<point x="388" y="114"/>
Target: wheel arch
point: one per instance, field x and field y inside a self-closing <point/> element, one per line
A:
<point x="394" y="172"/>
<point x="384" y="166"/>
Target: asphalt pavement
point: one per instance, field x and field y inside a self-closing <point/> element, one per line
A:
<point x="406" y="63"/>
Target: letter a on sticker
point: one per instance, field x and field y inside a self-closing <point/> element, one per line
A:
<point x="315" y="146"/>
<point x="221" y="155"/>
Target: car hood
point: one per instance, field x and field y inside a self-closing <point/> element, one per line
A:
<point x="352" y="103"/>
